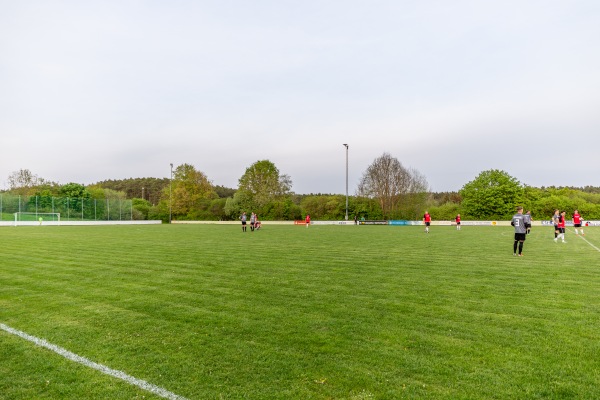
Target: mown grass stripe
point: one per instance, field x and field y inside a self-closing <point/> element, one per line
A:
<point x="88" y="363"/>
<point x="587" y="241"/>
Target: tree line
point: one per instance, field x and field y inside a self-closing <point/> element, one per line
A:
<point x="494" y="195"/>
<point x="386" y="190"/>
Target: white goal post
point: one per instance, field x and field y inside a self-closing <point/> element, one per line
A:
<point x="36" y="218"/>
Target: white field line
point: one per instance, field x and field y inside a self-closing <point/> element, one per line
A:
<point x="102" y="368"/>
<point x="585" y="240"/>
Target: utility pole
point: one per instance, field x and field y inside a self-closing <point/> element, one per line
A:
<point x="346" y="145"/>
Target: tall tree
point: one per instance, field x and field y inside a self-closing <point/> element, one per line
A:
<point x="24" y="182"/>
<point x="74" y="190"/>
<point x="262" y="183"/>
<point x="415" y="198"/>
<point x="22" y="178"/>
<point x="74" y="195"/>
<point x="190" y="189"/>
<point x="388" y="181"/>
<point x="493" y="194"/>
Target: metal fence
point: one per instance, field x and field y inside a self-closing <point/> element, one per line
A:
<point x="70" y="209"/>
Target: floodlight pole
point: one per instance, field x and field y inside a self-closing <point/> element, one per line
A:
<point x="346" y="145"/>
<point x="171" y="195"/>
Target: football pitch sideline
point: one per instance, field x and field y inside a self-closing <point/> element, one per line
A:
<point x="288" y="312"/>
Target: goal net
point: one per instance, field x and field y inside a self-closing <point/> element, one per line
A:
<point x="33" y="218"/>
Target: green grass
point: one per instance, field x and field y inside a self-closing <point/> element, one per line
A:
<point x="329" y="312"/>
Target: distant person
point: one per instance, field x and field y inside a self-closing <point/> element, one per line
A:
<point x="243" y="218"/>
<point x="555" y="219"/>
<point x="518" y="221"/>
<point x="307" y="220"/>
<point x="252" y="221"/>
<point x="257" y="224"/>
<point x="457" y="220"/>
<point x="528" y="219"/>
<point x="577" y="222"/>
<point x="561" y="227"/>
<point x="427" y="221"/>
<point x="355" y="219"/>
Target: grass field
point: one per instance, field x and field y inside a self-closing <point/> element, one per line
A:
<point x="328" y="312"/>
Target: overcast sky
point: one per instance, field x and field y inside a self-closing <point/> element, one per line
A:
<point x="96" y="90"/>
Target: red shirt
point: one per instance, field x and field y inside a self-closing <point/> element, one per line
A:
<point x="561" y="222"/>
<point x="457" y="219"/>
<point x="576" y="218"/>
<point x="427" y="217"/>
<point x="307" y="219"/>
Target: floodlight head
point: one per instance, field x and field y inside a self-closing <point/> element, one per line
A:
<point x="345" y="145"/>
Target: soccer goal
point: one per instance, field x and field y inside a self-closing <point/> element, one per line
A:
<point x="33" y="218"/>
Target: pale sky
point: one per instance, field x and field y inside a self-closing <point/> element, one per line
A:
<point x="96" y="90"/>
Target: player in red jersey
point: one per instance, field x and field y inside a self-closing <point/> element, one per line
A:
<point x="427" y="221"/>
<point x="577" y="222"/>
<point x="561" y="227"/>
<point x="457" y="220"/>
<point x="307" y="220"/>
